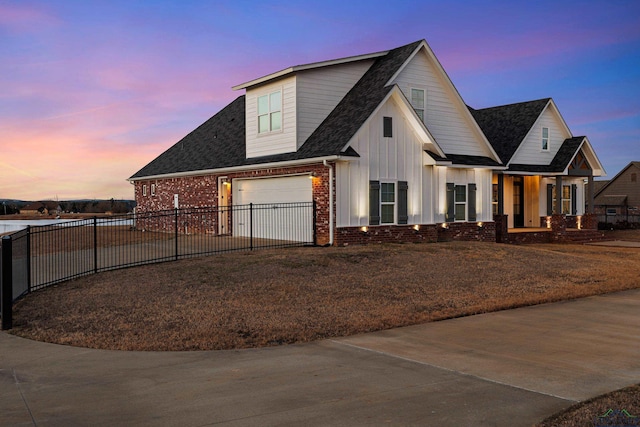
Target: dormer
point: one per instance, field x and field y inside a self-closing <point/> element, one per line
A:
<point x="284" y="108"/>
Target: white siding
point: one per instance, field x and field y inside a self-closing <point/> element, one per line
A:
<point x="320" y="90"/>
<point x="580" y="193"/>
<point x="453" y="130"/>
<point x="481" y="177"/>
<point x="283" y="141"/>
<point x="398" y="158"/>
<point x="530" y="151"/>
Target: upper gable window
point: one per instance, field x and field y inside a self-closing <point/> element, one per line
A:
<point x="387" y="127"/>
<point x="270" y="112"/>
<point x="545" y="139"/>
<point x="417" y="101"/>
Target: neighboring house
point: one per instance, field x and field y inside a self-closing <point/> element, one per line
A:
<point x="620" y="196"/>
<point x="541" y="155"/>
<point x="41" y="208"/>
<point x="393" y="153"/>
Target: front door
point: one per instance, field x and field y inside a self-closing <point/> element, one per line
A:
<point x="224" y="193"/>
<point x="518" y="202"/>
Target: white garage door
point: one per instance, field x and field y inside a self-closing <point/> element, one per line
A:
<point x="278" y="210"/>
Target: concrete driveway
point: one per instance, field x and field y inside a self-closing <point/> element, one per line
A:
<point x="508" y="368"/>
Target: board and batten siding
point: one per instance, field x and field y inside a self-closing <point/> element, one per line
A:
<point x="482" y="178"/>
<point x="283" y="141"/>
<point x="530" y="151"/>
<point x="398" y="158"/>
<point x="319" y="91"/>
<point x="454" y="132"/>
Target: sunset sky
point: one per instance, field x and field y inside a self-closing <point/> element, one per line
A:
<point x="91" y="91"/>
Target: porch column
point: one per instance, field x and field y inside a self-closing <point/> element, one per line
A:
<point x="590" y="190"/>
<point x="500" y="194"/>
<point x="558" y="201"/>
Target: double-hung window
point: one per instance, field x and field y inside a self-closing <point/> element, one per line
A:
<point x="568" y="201"/>
<point x="144" y="189"/>
<point x="388" y="202"/>
<point x="461" y="202"/>
<point x="153" y="189"/>
<point x="417" y="101"/>
<point x="270" y="112"/>
<point x="545" y="139"/>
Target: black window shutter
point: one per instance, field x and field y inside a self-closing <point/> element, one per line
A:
<point x="449" y="216"/>
<point x="374" y="202"/>
<point x="403" y="211"/>
<point x="574" y="202"/>
<point x="387" y="127"/>
<point x="472" y="201"/>
<point x="549" y="199"/>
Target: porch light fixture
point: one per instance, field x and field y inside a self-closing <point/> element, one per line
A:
<point x="313" y="175"/>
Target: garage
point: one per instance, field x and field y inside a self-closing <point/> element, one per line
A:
<point x="281" y="210"/>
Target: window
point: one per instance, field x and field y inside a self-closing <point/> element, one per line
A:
<point x="461" y="202"/>
<point x="153" y="189"/>
<point x="387" y="127"/>
<point x="388" y="202"/>
<point x="270" y="112"/>
<point x="144" y="189"/>
<point x="612" y="211"/>
<point x="417" y="101"/>
<point x="494" y="198"/>
<point x="568" y="202"/>
<point x="545" y="139"/>
<point x="634" y="177"/>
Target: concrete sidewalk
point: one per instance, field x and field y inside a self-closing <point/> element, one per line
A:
<point x="501" y="369"/>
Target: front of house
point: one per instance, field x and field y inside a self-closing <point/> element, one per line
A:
<point x="385" y="147"/>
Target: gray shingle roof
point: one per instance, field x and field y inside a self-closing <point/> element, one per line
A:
<point x="460" y="159"/>
<point x="220" y="141"/>
<point x="506" y="126"/>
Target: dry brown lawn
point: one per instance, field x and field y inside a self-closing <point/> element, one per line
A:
<point x="272" y="297"/>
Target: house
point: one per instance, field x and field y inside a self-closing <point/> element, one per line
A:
<point x="385" y="147"/>
<point x="47" y="207"/>
<point x="619" y="198"/>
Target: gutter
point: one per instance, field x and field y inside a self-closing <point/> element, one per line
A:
<point x="256" y="166"/>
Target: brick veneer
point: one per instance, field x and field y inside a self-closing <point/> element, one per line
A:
<point x="345" y="236"/>
<point x="467" y="231"/>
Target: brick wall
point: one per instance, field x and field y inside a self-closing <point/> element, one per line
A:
<point x="345" y="236"/>
<point x="467" y="231"/>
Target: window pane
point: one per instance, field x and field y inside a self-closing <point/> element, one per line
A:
<point x="545" y="144"/>
<point x="263" y="105"/>
<point x="566" y="192"/>
<point x="566" y="207"/>
<point x="276" y="121"/>
<point x="545" y="132"/>
<point x="276" y="101"/>
<point x="461" y="193"/>
<point x="387" y="192"/>
<point x="386" y="212"/>
<point x="420" y="114"/>
<point x="460" y="212"/>
<point x="263" y="123"/>
<point x="417" y="98"/>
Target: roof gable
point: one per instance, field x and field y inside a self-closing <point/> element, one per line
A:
<point x="507" y="126"/>
<point x="612" y="181"/>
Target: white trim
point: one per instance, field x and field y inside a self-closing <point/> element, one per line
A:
<point x="258" y="166"/>
<point x="395" y="201"/>
<point x="309" y="66"/>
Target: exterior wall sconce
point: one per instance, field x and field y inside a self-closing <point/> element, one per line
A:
<point x="364" y="230"/>
<point x="313" y="174"/>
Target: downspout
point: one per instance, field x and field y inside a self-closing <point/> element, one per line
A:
<point x="324" y="162"/>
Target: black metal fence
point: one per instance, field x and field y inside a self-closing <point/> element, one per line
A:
<point x="40" y="256"/>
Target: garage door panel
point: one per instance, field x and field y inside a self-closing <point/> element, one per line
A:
<point x="277" y="212"/>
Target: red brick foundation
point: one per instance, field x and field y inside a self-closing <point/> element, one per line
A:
<point x="467" y="231"/>
<point x="345" y="236"/>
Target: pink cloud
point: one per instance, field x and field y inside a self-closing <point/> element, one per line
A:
<point x="19" y="18"/>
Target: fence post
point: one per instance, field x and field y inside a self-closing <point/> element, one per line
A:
<point x="95" y="244"/>
<point x="6" y="283"/>
<point x="176" y="233"/>
<point x="315" y="224"/>
<point x="250" y="226"/>
<point x="28" y="237"/>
